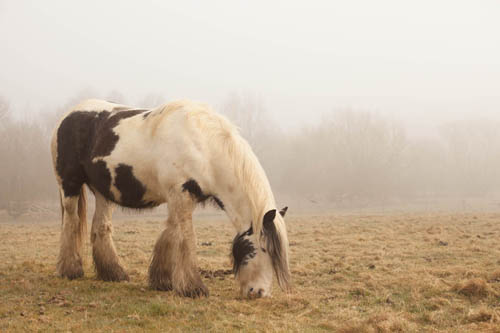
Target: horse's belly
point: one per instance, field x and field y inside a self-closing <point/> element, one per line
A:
<point x="133" y="192"/>
<point x="123" y="185"/>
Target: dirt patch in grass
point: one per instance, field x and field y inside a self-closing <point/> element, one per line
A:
<point x="495" y="277"/>
<point x="482" y="315"/>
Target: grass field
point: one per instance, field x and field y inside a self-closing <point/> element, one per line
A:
<point x="351" y="273"/>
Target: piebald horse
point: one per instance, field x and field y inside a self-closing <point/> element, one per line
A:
<point x="182" y="153"/>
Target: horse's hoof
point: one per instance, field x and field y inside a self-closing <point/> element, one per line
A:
<point x="113" y="273"/>
<point x="73" y="274"/>
<point x="117" y="278"/>
<point x="70" y="270"/>
<point x="160" y="285"/>
<point x="201" y="291"/>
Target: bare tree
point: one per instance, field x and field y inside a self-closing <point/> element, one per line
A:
<point x="248" y="112"/>
<point x="152" y="100"/>
<point x="473" y="155"/>
<point x="348" y="155"/>
<point x="4" y="109"/>
<point x="115" y="96"/>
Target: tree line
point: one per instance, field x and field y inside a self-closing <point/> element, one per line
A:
<point x="346" y="158"/>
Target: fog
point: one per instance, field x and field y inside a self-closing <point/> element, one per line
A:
<point x="347" y="104"/>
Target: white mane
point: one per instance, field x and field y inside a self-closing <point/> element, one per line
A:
<point x="225" y="140"/>
<point x="252" y="179"/>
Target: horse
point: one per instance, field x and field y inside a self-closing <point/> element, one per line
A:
<point x="183" y="154"/>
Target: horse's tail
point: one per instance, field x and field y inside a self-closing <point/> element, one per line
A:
<point x="82" y="215"/>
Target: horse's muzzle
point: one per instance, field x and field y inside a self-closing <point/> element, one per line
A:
<point x="257" y="293"/>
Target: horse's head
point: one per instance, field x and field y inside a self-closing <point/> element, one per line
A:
<point x="255" y="257"/>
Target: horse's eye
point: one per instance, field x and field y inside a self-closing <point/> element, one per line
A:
<point x="263" y="249"/>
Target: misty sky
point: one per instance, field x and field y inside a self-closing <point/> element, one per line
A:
<point x="421" y="59"/>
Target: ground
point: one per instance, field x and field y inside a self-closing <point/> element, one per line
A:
<point x="351" y="273"/>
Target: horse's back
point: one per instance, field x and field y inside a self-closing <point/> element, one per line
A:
<point x="131" y="155"/>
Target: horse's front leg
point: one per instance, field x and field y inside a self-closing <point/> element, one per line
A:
<point x="174" y="264"/>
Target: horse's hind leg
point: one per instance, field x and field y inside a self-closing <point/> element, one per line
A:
<point x="69" y="263"/>
<point x="106" y="261"/>
<point x="174" y="264"/>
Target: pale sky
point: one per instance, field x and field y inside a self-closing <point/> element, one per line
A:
<point x="417" y="60"/>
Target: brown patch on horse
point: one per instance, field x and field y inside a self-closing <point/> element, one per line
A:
<point x="196" y="192"/>
<point x="242" y="250"/>
<point x="105" y="137"/>
<point x="131" y="189"/>
<point x="73" y="141"/>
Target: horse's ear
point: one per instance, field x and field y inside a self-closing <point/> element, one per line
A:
<point x="283" y="211"/>
<point x="269" y="219"/>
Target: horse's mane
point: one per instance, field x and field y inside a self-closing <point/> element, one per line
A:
<point x="252" y="179"/>
<point x="225" y="140"/>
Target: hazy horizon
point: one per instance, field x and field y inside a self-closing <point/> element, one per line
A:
<point x="423" y="63"/>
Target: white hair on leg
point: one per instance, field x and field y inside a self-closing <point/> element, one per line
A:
<point x="174" y="263"/>
<point x="106" y="262"/>
<point x="69" y="262"/>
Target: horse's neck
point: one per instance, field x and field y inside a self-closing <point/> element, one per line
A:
<point x="244" y="203"/>
<point x="239" y="211"/>
<point x="236" y="176"/>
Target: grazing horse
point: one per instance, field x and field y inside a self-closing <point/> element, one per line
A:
<point x="182" y="154"/>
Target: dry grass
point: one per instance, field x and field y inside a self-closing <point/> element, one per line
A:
<point x="352" y="273"/>
<point x="477" y="288"/>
